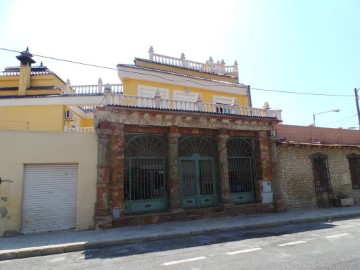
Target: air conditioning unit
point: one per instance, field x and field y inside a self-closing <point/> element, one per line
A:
<point x="69" y="115"/>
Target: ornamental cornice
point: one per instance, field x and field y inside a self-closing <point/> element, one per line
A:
<point x="164" y="119"/>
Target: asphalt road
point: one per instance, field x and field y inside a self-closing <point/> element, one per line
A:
<point x="322" y="245"/>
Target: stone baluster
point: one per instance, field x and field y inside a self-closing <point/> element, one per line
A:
<point x="236" y="67"/>
<point x="223" y="170"/>
<point x="174" y="181"/>
<point x="151" y="53"/>
<point x="266" y="108"/>
<point x="157" y="99"/>
<point x="100" y="82"/>
<point x="211" y="64"/>
<point x="198" y="102"/>
<point x="222" y="64"/>
<point x="183" y="61"/>
<point x="67" y="87"/>
<point x="234" y="106"/>
<point x="107" y="93"/>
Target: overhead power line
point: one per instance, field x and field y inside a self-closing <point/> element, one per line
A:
<point x="178" y="81"/>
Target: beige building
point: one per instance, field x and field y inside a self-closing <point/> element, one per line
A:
<point x="48" y="181"/>
<point x="317" y="166"/>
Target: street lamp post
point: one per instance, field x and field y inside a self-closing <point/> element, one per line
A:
<point x="336" y="110"/>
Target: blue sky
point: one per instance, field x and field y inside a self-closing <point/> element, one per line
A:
<point x="288" y="45"/>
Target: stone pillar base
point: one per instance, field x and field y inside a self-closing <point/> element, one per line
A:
<point x="177" y="210"/>
<point x="279" y="203"/>
<point x="103" y="222"/>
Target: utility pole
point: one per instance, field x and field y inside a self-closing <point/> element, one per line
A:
<point x="357" y="105"/>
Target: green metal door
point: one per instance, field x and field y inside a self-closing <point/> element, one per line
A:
<point x="198" y="181"/>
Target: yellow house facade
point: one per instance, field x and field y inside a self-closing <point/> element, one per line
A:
<point x="34" y="98"/>
<point x="183" y="80"/>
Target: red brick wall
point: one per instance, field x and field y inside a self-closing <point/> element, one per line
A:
<point x="308" y="134"/>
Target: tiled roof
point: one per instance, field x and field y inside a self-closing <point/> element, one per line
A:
<point x="35" y="70"/>
<point x="178" y="74"/>
<point x="50" y="87"/>
<point x="319" y="145"/>
<point x="50" y="96"/>
<point x="188" y="68"/>
<point x="17" y="73"/>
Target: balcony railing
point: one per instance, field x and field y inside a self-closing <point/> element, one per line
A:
<point x="210" y="66"/>
<point x="91" y="89"/>
<point x="79" y="129"/>
<point x="197" y="105"/>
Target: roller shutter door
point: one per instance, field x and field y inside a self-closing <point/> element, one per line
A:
<point x="49" y="201"/>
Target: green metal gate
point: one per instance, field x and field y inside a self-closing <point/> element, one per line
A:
<point x="197" y="171"/>
<point x="241" y="170"/>
<point x="198" y="181"/>
<point x="145" y="177"/>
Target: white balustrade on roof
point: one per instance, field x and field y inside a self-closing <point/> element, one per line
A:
<point x="209" y="66"/>
<point x="91" y="89"/>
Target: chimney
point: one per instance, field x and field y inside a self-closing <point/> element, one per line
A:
<point x="26" y="60"/>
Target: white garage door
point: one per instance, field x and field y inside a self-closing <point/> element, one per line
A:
<point x="49" y="201"/>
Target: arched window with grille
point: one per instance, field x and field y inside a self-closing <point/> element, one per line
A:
<point x="145" y="173"/>
<point x="241" y="169"/>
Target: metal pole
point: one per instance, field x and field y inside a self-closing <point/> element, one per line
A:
<point x="314" y="120"/>
<point x="357" y="105"/>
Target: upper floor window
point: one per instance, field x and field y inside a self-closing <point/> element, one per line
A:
<point x="354" y="166"/>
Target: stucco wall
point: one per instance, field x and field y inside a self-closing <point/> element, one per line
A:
<point x="296" y="175"/>
<point x="27" y="147"/>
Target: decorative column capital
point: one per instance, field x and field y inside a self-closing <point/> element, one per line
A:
<point x="222" y="137"/>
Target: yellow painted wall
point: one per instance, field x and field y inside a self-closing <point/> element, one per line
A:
<point x="24" y="147"/>
<point x="37" y="118"/>
<point x="131" y="86"/>
<point x="186" y="71"/>
<point x="36" y="81"/>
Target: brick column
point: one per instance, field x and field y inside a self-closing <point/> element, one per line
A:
<point x="173" y="180"/>
<point x="102" y="211"/>
<point x="117" y="165"/>
<point x="223" y="170"/>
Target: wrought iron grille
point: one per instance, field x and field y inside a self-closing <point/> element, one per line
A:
<point x="189" y="177"/>
<point x="321" y="174"/>
<point x="322" y="183"/>
<point x="145" y="174"/>
<point x="196" y="146"/>
<point x="354" y="166"/>
<point x="240" y="165"/>
<point x="145" y="179"/>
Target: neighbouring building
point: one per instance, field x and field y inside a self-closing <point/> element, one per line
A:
<point x="315" y="166"/>
<point x="35" y="98"/>
<point x="48" y="169"/>
<point x="182" y="141"/>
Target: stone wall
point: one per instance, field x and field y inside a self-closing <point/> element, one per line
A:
<point x="296" y="176"/>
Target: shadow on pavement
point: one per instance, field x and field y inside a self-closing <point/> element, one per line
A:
<point x="202" y="240"/>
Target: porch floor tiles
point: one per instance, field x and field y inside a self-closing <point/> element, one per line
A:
<point x="67" y="241"/>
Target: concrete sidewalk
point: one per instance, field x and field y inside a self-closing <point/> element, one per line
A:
<point x="41" y="244"/>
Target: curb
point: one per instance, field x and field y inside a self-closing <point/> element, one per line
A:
<point x="82" y="246"/>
